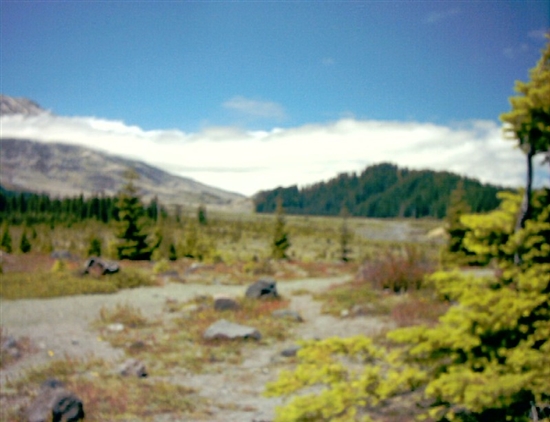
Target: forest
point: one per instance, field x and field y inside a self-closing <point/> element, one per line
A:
<point x="381" y="191"/>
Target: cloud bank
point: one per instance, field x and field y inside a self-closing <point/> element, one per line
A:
<point x="249" y="161"/>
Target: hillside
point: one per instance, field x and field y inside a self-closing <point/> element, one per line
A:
<point x="382" y="190"/>
<point x="69" y="170"/>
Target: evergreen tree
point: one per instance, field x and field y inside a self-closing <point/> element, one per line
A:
<point x="201" y="215"/>
<point x="24" y="244"/>
<point x="280" y="242"/>
<point x="94" y="248"/>
<point x="131" y="231"/>
<point x="456" y="252"/>
<point x="345" y="236"/>
<point x="528" y="123"/>
<point x="5" y="244"/>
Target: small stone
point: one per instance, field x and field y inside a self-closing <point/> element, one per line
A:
<point x="288" y="314"/>
<point x="133" y="367"/>
<point x="225" y="330"/>
<point x="116" y="327"/>
<point x="344" y="313"/>
<point x="290" y="351"/>
<point x="225" y="304"/>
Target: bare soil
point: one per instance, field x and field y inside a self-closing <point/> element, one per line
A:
<point x="62" y="327"/>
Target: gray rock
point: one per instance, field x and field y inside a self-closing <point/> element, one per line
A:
<point x="63" y="254"/>
<point x="290" y="351"/>
<point x="133" y="368"/>
<point x="263" y="288"/>
<point x="287" y="314"/>
<point x="225" y="330"/>
<point x="100" y="267"/>
<point x="54" y="403"/>
<point x="225" y="304"/>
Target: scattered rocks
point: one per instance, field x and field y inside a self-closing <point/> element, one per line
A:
<point x="55" y="403"/>
<point x="10" y="347"/>
<point x="133" y="368"/>
<point x="98" y="266"/>
<point x="224" y="303"/>
<point x="226" y="330"/>
<point x="263" y="288"/>
<point x="287" y="314"/>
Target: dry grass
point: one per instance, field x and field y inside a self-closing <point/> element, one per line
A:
<point x="177" y="343"/>
<point x="106" y="395"/>
<point x="414" y="309"/>
<point x="397" y="271"/>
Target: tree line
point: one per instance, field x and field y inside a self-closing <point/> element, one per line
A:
<point x="33" y="208"/>
<point x="383" y="191"/>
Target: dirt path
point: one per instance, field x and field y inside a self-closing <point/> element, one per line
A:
<point x="61" y="327"/>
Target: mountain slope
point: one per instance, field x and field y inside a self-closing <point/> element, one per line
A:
<point x="10" y="105"/>
<point x="382" y="190"/>
<point x="68" y="170"/>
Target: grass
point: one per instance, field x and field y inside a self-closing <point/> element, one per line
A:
<point x="47" y="284"/>
<point x="178" y="344"/>
<point x="106" y="395"/>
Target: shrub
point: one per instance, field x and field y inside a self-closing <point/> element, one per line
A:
<point x="396" y="271"/>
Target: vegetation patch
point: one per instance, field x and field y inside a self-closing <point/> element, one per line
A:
<point x="106" y="395"/>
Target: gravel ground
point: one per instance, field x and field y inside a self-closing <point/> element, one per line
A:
<point x="61" y="327"/>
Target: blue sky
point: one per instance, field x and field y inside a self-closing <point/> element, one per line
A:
<point x="214" y="71"/>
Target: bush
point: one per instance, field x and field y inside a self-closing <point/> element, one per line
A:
<point x="396" y="271"/>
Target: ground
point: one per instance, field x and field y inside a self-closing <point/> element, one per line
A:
<point x="62" y="327"/>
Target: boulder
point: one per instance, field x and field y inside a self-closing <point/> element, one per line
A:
<point x="224" y="303"/>
<point x="290" y="351"/>
<point x="226" y="330"/>
<point x="263" y="288"/>
<point x="133" y="368"/>
<point x="54" y="403"/>
<point x="287" y="314"/>
<point x="99" y="266"/>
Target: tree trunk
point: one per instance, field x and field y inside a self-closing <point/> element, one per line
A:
<point x="525" y="210"/>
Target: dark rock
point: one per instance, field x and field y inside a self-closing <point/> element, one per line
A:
<point x="225" y="330"/>
<point x="287" y="314"/>
<point x="133" y="368"/>
<point x="263" y="288"/>
<point x="54" y="403"/>
<point x="99" y="266"/>
<point x="290" y="351"/>
<point x="225" y="304"/>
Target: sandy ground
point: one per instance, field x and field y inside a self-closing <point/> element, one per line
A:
<point x="61" y="327"/>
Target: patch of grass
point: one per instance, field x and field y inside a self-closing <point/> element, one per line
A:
<point x="414" y="309"/>
<point x="178" y="344"/>
<point x="106" y="396"/>
<point x="46" y="284"/>
<point x="125" y="314"/>
<point x="345" y="296"/>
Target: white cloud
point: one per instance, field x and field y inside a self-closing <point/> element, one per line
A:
<point x="255" y="108"/>
<point x="515" y="51"/>
<point x="435" y="17"/>
<point x="247" y="162"/>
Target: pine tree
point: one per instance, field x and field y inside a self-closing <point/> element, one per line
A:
<point x="528" y="123"/>
<point x="131" y="233"/>
<point x="345" y="236"/>
<point x="94" y="248"/>
<point x="24" y="244"/>
<point x="5" y="244"/>
<point x="280" y="236"/>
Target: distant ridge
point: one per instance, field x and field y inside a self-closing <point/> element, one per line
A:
<point x="68" y="170"/>
<point x="10" y="105"/>
<point x="382" y="190"/>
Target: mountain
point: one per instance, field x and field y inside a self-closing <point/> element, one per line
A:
<point x="382" y="190"/>
<point x="68" y="170"/>
<point x="10" y="105"/>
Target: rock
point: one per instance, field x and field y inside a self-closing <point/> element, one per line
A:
<point x="344" y="313"/>
<point x="226" y="330"/>
<point x="263" y="288"/>
<point x="223" y="303"/>
<point x="133" y="368"/>
<point x="290" y="351"/>
<point x="54" y="403"/>
<point x="362" y="310"/>
<point x="287" y="314"/>
<point x="115" y="327"/>
<point x="99" y="266"/>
